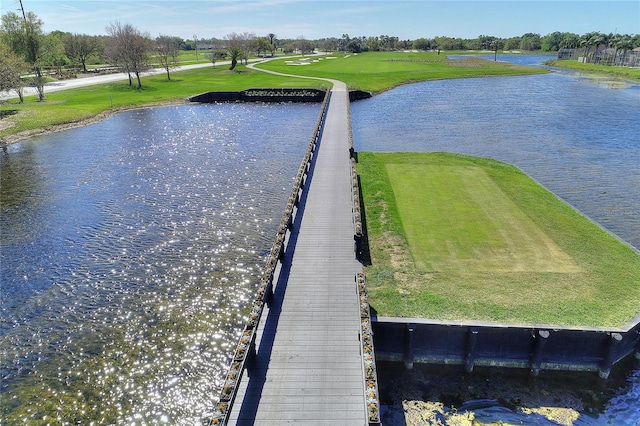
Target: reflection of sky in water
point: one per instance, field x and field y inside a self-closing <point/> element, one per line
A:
<point x="128" y="248"/>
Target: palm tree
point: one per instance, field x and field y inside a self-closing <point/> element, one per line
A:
<point x="234" y="54"/>
<point x="614" y="42"/>
<point x="596" y="40"/>
<point x="272" y="44"/>
<point x="624" y="43"/>
<point x="570" y="41"/>
<point x="586" y="42"/>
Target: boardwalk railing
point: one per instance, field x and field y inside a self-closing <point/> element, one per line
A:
<point x="368" y="356"/>
<point x="246" y="344"/>
<point x="358" y="232"/>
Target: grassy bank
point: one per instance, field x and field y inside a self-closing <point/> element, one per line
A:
<point x="455" y="237"/>
<point x="74" y="105"/>
<point x="597" y="69"/>
<point x="379" y="71"/>
<point x="372" y="72"/>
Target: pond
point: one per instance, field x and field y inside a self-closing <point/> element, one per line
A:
<point x="574" y="134"/>
<point x="128" y="247"/>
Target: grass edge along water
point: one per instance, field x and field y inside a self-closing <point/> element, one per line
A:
<point x="590" y="280"/>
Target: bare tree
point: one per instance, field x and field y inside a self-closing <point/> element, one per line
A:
<point x="195" y="45"/>
<point x="79" y="47"/>
<point x="128" y="49"/>
<point x="167" y="49"/>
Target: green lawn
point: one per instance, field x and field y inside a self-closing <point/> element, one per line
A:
<point x="463" y="238"/>
<point x="379" y="71"/>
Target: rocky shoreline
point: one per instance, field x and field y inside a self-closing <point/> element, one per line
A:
<point x="443" y="395"/>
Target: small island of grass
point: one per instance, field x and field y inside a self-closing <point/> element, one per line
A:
<point x="462" y="238"/>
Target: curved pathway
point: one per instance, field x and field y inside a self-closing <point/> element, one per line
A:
<point x="308" y="366"/>
<point x="338" y="86"/>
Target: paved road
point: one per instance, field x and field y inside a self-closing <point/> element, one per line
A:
<point x="108" y="78"/>
<point x="100" y="79"/>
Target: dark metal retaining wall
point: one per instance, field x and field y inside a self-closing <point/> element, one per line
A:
<point x="262" y="95"/>
<point x="358" y="95"/>
<point x="535" y="348"/>
<point x="272" y="95"/>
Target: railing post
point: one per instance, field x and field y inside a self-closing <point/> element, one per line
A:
<point x="472" y="339"/>
<point x="540" y="340"/>
<point x="605" y="369"/>
<point x="408" y="346"/>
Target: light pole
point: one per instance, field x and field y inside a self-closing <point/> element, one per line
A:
<point x="195" y="44"/>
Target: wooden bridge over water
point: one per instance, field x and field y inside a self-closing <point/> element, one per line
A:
<point x="301" y="360"/>
<point x="306" y="354"/>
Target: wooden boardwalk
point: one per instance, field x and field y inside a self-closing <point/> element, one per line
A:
<point x="308" y="367"/>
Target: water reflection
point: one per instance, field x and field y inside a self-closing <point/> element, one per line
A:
<point x="128" y="248"/>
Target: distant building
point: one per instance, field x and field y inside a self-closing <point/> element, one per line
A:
<point x="602" y="55"/>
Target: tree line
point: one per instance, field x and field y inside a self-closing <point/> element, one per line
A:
<point x="26" y="49"/>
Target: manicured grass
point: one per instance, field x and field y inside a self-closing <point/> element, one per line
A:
<point x="494" y="236"/>
<point x="78" y="104"/>
<point x="189" y="57"/>
<point x="618" y="72"/>
<point x="463" y="238"/>
<point x="379" y="71"/>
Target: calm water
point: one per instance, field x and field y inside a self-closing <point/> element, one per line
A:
<point x="129" y="246"/>
<point x="127" y="250"/>
<point x="577" y="136"/>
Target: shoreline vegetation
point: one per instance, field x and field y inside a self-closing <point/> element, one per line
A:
<point x="384" y="70"/>
<point x="454" y="237"/>
<point x="626" y="73"/>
